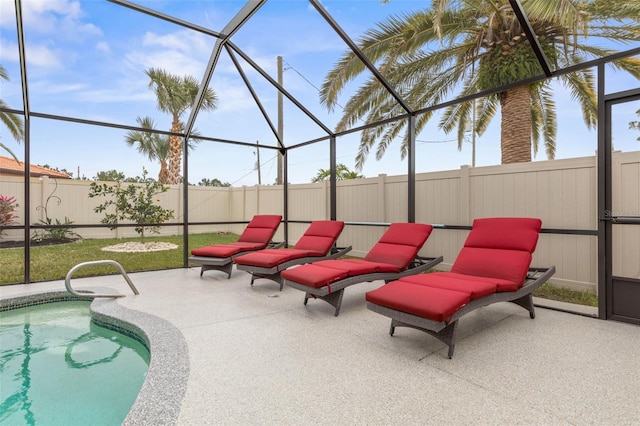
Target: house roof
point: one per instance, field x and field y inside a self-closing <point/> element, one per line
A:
<point x="9" y="166"/>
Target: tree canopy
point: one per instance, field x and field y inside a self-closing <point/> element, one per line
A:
<point x="458" y="48"/>
<point x="12" y="121"/>
<point x="175" y="95"/>
<point x="342" y="173"/>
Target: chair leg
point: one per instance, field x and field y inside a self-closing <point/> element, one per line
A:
<point x="227" y="268"/>
<point x="224" y="268"/>
<point x="450" y="354"/>
<point x="392" y="328"/>
<point x="527" y="303"/>
<point x="273" y="277"/>
<point x="334" y="299"/>
<point x="447" y="335"/>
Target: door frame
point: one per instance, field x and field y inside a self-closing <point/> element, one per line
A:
<point x="605" y="197"/>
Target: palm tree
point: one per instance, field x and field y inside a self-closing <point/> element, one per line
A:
<point x="635" y="124"/>
<point x="342" y="173"/>
<point x="12" y="121"/>
<point x="175" y="95"/>
<point x="472" y="46"/>
<point x="155" y="146"/>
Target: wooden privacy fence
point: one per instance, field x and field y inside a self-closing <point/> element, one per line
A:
<point x="562" y="193"/>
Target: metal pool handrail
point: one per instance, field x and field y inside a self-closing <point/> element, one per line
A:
<point x="86" y="293"/>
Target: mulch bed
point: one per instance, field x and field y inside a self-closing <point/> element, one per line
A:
<point x="34" y="243"/>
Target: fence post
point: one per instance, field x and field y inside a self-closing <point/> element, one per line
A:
<point x="44" y="188"/>
<point x="382" y="198"/>
<point x="256" y="201"/>
<point x="244" y="202"/>
<point x="326" y="199"/>
<point x="180" y="209"/>
<point x="464" y="203"/>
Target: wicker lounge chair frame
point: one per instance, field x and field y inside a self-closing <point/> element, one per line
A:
<point x="394" y="256"/>
<point x="332" y="294"/>
<point x="494" y="265"/>
<point x="225" y="264"/>
<point x="445" y="331"/>
<point x="273" y="273"/>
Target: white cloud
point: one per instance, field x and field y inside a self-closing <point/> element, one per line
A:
<point x="9" y="50"/>
<point x="63" y="17"/>
<point x="232" y="97"/>
<point x="172" y="61"/>
<point x="184" y="41"/>
<point x="42" y="56"/>
<point x="7" y="14"/>
<point x="38" y="55"/>
<point x="180" y="53"/>
<point x="103" y="47"/>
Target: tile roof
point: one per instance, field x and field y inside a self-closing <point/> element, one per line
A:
<point x="9" y="166"/>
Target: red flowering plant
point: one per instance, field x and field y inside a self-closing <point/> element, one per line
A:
<point x="8" y="206"/>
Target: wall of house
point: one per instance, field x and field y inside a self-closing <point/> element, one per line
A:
<point x="561" y="192"/>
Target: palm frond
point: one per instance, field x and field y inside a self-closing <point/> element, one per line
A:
<point x="13" y="122"/>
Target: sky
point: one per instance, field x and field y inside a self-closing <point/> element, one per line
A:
<point x="86" y="59"/>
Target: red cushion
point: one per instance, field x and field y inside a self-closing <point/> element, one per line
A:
<point x="318" y="244"/>
<point x="313" y="275"/>
<point x="394" y="254"/>
<point x="225" y="250"/>
<point x="475" y="288"/>
<point x="320" y="236"/>
<point x="325" y="272"/>
<point x="500" y="284"/>
<point x="506" y="233"/>
<point x="400" y="244"/>
<point x="506" y="265"/>
<point x="257" y="235"/>
<point x="426" y="302"/>
<point x="261" y="229"/>
<point x="409" y="234"/>
<point x="378" y="266"/>
<point x="265" y="221"/>
<point x="350" y="266"/>
<point x="270" y="258"/>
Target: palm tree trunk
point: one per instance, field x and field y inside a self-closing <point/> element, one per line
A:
<point x="515" y="131"/>
<point x="175" y="154"/>
<point x="163" y="175"/>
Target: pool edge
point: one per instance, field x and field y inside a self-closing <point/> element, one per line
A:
<point x="164" y="387"/>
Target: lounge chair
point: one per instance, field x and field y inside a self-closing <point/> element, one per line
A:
<point x="394" y="256"/>
<point x="256" y="236"/>
<point x="317" y="243"/>
<point x="493" y="266"/>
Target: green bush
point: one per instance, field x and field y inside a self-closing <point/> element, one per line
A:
<point x="135" y="203"/>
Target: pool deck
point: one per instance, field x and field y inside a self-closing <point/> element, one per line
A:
<point x="255" y="355"/>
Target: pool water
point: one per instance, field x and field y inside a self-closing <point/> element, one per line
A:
<point x="58" y="368"/>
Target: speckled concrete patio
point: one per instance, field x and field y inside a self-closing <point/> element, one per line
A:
<point x="254" y="355"/>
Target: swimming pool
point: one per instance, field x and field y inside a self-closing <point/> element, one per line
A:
<point x="59" y="367"/>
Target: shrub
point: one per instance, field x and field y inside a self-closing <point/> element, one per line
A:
<point x="8" y="206"/>
<point x="59" y="233"/>
<point x="134" y="203"/>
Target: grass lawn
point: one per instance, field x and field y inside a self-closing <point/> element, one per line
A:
<point x="54" y="262"/>
<point x="549" y="291"/>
